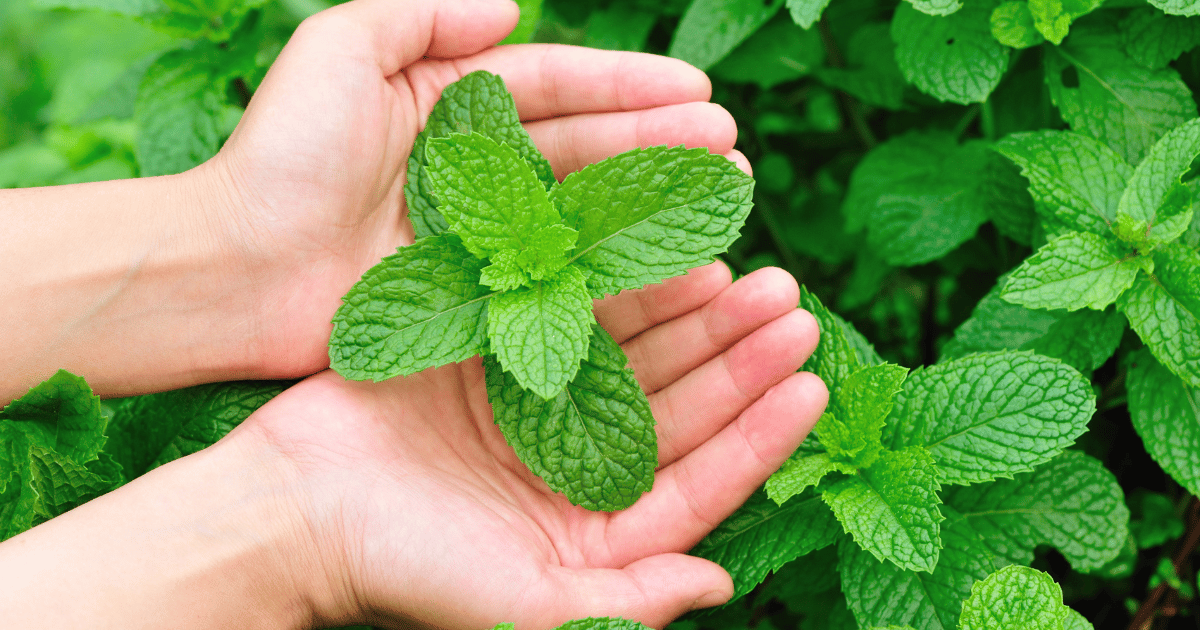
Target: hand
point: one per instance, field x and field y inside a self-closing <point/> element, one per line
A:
<point x="315" y="170"/>
<point x="420" y="511"/>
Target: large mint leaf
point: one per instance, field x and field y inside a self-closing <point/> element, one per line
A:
<point x="1074" y="271"/>
<point x="594" y="441"/>
<point x="1012" y="25"/>
<point x="1105" y="94"/>
<point x="952" y="58"/>
<point x="1014" y="598"/>
<point x="834" y="358"/>
<point x="881" y="594"/>
<point x="1154" y="182"/>
<point x="1165" y="311"/>
<point x="1080" y="179"/>
<point x="891" y="508"/>
<point x="491" y="198"/>
<point x="919" y="196"/>
<point x="1155" y="40"/>
<point x="1166" y="414"/>
<point x="146" y="432"/>
<point x="991" y="415"/>
<point x="1071" y="503"/>
<point x="650" y="214"/>
<point x="540" y="333"/>
<point x="1052" y="18"/>
<point x="477" y="103"/>
<point x="710" y="29"/>
<point x="801" y="472"/>
<point x="418" y="308"/>
<point x="761" y="537"/>
<point x="1177" y="7"/>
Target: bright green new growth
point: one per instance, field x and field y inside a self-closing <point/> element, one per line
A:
<point x="591" y="623"/>
<point x="1014" y="598"/>
<point x="507" y="265"/>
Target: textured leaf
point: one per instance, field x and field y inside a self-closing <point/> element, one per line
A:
<point x="1178" y="7"/>
<point x="594" y="441"/>
<point x="1077" y="270"/>
<point x="1156" y="178"/>
<point x="477" y="103"/>
<point x="1010" y="206"/>
<point x="1165" y="311"/>
<point x="711" y="29"/>
<point x="800" y="473"/>
<point x="891" y="508"/>
<point x="1071" y="503"/>
<point x="540" y="334"/>
<point x="919" y="196"/>
<point x="602" y="623"/>
<point x="1166" y="414"/>
<point x="871" y="74"/>
<point x="806" y="12"/>
<point x="1076" y="621"/>
<point x="761" y="537"/>
<point x="1014" y="598"/>
<point x="418" y="308"/>
<point x="1012" y="25"/>
<point x="834" y="359"/>
<point x="991" y="415"/>
<point x="953" y="58"/>
<point x="650" y="214"/>
<point x="859" y="406"/>
<point x="863" y="350"/>
<point x="1105" y="94"/>
<point x="60" y="484"/>
<point x="1154" y="40"/>
<point x="1078" y="178"/>
<point x="880" y="593"/>
<point x="146" y="432"/>
<point x="936" y="7"/>
<point x="778" y="52"/>
<point x="1053" y="18"/>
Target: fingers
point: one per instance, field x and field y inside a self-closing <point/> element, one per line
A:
<point x="700" y="490"/>
<point x="631" y="312"/>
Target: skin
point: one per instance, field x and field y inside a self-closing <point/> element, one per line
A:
<point x="398" y="503"/>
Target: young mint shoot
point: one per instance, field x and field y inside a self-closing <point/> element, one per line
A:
<point x="506" y="265"/>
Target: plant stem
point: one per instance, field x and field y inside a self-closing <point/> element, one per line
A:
<point x="965" y="121"/>
<point x="1149" y="608"/>
<point x="987" y="120"/>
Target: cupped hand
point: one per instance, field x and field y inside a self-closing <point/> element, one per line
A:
<point x="419" y="513"/>
<point x="313" y="176"/>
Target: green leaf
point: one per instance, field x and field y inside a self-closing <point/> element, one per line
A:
<point x="919" y="196"/>
<point x="132" y="8"/>
<point x="1074" y="271"/>
<point x="991" y="415"/>
<point x="1155" y="40"/>
<point x="1012" y="25"/>
<point x="1165" y="311"/>
<point x="1083" y="340"/>
<point x="860" y="404"/>
<point x="1014" y="598"/>
<point x="540" y="334"/>
<point x="891" y="508"/>
<point x="834" y="358"/>
<point x="1151" y="200"/>
<point x="1177" y="7"/>
<point x="863" y="350"/>
<point x="489" y="195"/>
<point x="800" y="473"/>
<point x="120" y="99"/>
<point x="952" y="58"/>
<point x="594" y="441"/>
<point x="711" y="29"/>
<point x="761" y="537"/>
<point x="1076" y="621"/>
<point x="1053" y="18"/>
<point x="936" y="7"/>
<point x="1166" y="414"/>
<point x="602" y="623"/>
<point x="418" y="308"/>
<point x="880" y="593"/>
<point x="871" y="74"/>
<point x="806" y="12"/>
<point x="620" y="27"/>
<point x="504" y="274"/>
<point x="547" y="250"/>
<point x="146" y="432"/>
<point x="778" y="52"/>
<point x="531" y="13"/>
<point x="1078" y="178"/>
<point x="1157" y="521"/>
<point x="1105" y="94"/>
<point x="61" y="484"/>
<point x="1071" y="503"/>
<point x="650" y="214"/>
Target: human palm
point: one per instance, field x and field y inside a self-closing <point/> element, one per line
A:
<point x="718" y="362"/>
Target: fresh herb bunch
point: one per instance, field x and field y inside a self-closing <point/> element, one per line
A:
<point x="507" y="265"/>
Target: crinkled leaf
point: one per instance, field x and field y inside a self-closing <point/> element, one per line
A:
<point x="863" y="350"/>
<point x="650" y="214"/>
<point x="860" y="404"/>
<point x="602" y="623"/>
<point x="504" y="274"/>
<point x="834" y="359"/>
<point x="891" y="508"/>
<point x="1074" y="271"/>
<point x="991" y="415"/>
<point x="547" y="251"/>
<point x="1165" y="311"/>
<point x="60" y="484"/>
<point x="801" y="472"/>
<point x="1155" y="40"/>
<point x="594" y="441"/>
<point x="936" y="7"/>
<point x="711" y="29"/>
<point x="1154" y="196"/>
<point x="778" y="52"/>
<point x="1166" y="414"/>
<point x="1014" y="598"/>
<point x="1076" y="621"/>
<point x="953" y="58"/>
<point x="1177" y="7"/>
<point x="1053" y="18"/>
<point x="418" y="308"/>
<point x="1012" y="25"/>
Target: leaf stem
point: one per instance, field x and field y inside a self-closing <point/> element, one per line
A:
<point x="965" y="121"/>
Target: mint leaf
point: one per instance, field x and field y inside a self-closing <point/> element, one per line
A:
<point x="61" y="485"/>
<point x="1014" y="598"/>
<point x="547" y="251"/>
<point x="1083" y="340"/>
<point x="1165" y="311"/>
<point x="146" y="432"/>
<point x="1076" y="621"/>
<point x="594" y="440"/>
<point x="1155" y="183"/>
<point x="477" y="103"/>
<point x="650" y="214"/>
<point x="1105" y="94"/>
<point x="806" y="12"/>
<point x="919" y="196"/>
<point x="860" y="404"/>
<point x="1074" y="271"/>
<point x="602" y="623"/>
<point x="834" y="358"/>
<point x="891" y="508"/>
<point x="1053" y="18"/>
<point x="871" y="74"/>
<point x="991" y="415"/>
<point x="489" y="195"/>
<point x="710" y="29"/>
<point x="778" y="52"/>
<point x="761" y="537"/>
<point x="504" y="274"/>
<point x="1071" y="503"/>
<point x="418" y="308"/>
<point x="863" y="350"/>
<point x="1077" y="178"/>
<point x="1166" y="414"/>
<point x="800" y="473"/>
<point x="540" y="334"/>
<point x="936" y="7"/>
<point x="953" y="58"/>
<point x="1012" y="25"/>
<point x="1155" y="40"/>
<point x="1157" y="523"/>
<point x="1177" y="7"/>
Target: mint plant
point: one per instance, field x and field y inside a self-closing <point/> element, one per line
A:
<point x="507" y="265"/>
